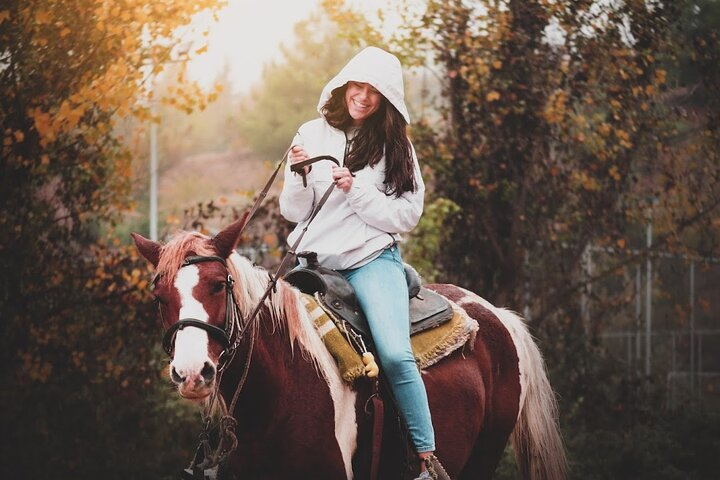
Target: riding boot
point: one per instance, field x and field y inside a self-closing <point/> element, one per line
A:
<point x="435" y="468"/>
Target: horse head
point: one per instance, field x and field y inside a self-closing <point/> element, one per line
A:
<point x="193" y="288"/>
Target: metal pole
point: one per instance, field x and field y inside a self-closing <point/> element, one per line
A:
<point x="699" y="367"/>
<point x="648" y="300"/>
<point x="153" y="178"/>
<point x="674" y="356"/>
<point x="638" y="312"/>
<point x="585" y="296"/>
<point x="692" y="329"/>
<point x="629" y="354"/>
<point x="526" y="286"/>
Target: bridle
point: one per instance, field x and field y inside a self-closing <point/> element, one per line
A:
<point x="233" y="318"/>
<point x="230" y="336"/>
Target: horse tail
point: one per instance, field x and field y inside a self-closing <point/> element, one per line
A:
<point x="536" y="440"/>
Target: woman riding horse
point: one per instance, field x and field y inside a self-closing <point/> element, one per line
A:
<point x="236" y="335"/>
<point x="379" y="194"/>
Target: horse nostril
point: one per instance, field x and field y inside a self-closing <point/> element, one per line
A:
<point x="175" y="376"/>
<point x="208" y="372"/>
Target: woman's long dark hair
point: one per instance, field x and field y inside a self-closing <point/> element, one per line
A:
<point x="384" y="132"/>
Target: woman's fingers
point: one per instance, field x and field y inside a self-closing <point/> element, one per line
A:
<point x="343" y="178"/>
<point x="298" y="154"/>
<point x="340" y="172"/>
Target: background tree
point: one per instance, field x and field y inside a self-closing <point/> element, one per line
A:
<point x="74" y="306"/>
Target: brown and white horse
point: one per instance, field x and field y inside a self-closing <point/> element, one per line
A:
<point x="297" y="419"/>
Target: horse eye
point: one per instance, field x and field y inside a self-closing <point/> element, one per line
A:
<point x="218" y="287"/>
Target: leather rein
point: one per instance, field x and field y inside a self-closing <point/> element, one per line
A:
<point x="234" y="331"/>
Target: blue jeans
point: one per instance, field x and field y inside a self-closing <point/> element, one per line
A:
<point x="382" y="292"/>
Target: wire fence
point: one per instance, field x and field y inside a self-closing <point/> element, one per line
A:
<point x="665" y="322"/>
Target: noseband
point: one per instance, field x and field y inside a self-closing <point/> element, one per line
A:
<point x="232" y="314"/>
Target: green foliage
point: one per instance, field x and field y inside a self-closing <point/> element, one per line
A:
<point x="289" y="91"/>
<point x="428" y="237"/>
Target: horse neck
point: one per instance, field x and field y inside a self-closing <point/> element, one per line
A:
<point x="278" y="370"/>
<point x="288" y="358"/>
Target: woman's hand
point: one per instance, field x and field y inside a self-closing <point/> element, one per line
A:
<point x="343" y="178"/>
<point x="297" y="155"/>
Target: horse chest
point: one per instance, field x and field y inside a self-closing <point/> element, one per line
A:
<point x="288" y="422"/>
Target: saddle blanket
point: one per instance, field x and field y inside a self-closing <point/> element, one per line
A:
<point x="429" y="346"/>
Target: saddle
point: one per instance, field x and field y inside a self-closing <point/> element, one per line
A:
<point x="427" y="308"/>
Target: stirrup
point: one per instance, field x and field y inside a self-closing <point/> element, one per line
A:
<point x="435" y="468"/>
<point x="425" y="475"/>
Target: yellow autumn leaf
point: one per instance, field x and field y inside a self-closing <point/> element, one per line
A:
<point x="586" y="181"/>
<point x="497" y="64"/>
<point x="19" y="136"/>
<point x="492" y="96"/>
<point x="660" y="75"/>
<point x="4" y="15"/>
<point x="622" y="134"/>
<point x="42" y="123"/>
<point x="42" y="17"/>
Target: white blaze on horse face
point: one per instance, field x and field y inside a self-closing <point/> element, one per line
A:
<point x="191" y="343"/>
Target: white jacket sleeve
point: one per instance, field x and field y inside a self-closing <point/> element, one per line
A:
<point x="296" y="201"/>
<point x="388" y="213"/>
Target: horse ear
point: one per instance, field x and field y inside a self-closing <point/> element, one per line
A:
<point x="148" y="249"/>
<point x="226" y="241"/>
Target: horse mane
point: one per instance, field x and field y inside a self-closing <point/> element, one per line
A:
<point x="287" y="312"/>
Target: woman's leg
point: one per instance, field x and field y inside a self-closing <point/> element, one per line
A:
<point x="381" y="289"/>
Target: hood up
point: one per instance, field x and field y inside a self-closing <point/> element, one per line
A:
<point x="377" y="67"/>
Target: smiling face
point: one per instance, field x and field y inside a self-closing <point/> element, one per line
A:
<point x="362" y="100"/>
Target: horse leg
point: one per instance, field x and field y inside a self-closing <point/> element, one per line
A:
<point x="490" y="444"/>
<point x="485" y="457"/>
<point x="457" y="400"/>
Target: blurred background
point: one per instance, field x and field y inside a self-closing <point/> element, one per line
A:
<point x="571" y="151"/>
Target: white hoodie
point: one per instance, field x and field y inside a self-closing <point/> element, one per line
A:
<point x="351" y="228"/>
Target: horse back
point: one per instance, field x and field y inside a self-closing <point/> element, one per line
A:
<point x="493" y="347"/>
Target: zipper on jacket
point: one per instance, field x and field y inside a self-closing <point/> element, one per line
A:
<point x="347" y="148"/>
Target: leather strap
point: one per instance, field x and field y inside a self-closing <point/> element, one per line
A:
<point x="264" y="192"/>
<point x="217" y="332"/>
<point x="378" y="411"/>
<point x="299" y="167"/>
